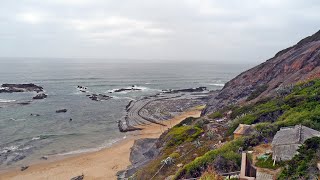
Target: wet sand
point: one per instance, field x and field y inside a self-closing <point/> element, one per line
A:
<point x="103" y="164"/>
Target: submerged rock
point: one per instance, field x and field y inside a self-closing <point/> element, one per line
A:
<point x="99" y="97"/>
<point x="190" y="90"/>
<point x="40" y="96"/>
<point x="61" y="111"/>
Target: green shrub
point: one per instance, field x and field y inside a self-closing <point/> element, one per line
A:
<point x="304" y="163"/>
<point x="216" y="115"/>
<point x="178" y="135"/>
<point x="228" y="151"/>
<point x="186" y="121"/>
<point x="174" y="155"/>
<point x="268" y="163"/>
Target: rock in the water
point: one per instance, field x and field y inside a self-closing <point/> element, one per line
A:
<point x="99" y="97"/>
<point x="10" y="88"/>
<point x="132" y="88"/>
<point x="61" y="111"/>
<point x="24" y="103"/>
<point x="198" y="89"/>
<point x="40" y="96"/>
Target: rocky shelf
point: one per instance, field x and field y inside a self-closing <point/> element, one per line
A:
<point x="157" y="108"/>
<point x="11" y="88"/>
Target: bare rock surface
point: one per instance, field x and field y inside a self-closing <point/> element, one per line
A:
<point x="142" y="152"/>
<point x="40" y="96"/>
<point x="11" y="88"/>
<point x="289" y="66"/>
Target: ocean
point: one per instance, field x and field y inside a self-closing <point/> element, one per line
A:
<point x="25" y="138"/>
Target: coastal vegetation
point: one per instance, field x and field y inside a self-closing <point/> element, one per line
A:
<point x="301" y="106"/>
<point x="304" y="164"/>
<point x="268" y="115"/>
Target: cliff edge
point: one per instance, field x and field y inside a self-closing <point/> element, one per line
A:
<point x="289" y="66"/>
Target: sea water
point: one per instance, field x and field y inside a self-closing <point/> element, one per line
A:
<point x="25" y="138"/>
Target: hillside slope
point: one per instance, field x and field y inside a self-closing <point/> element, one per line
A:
<point x="297" y="63"/>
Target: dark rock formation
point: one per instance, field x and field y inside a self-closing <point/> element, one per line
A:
<point x="142" y="152"/>
<point x="40" y="96"/>
<point x="198" y="89"/>
<point x="24" y="103"/>
<point x="10" y="88"/>
<point x="300" y="62"/>
<point x="61" y="111"/>
<point x="24" y="168"/>
<point x="128" y="106"/>
<point x="81" y="177"/>
<point x="82" y="89"/>
<point x="127" y="89"/>
<point x="99" y="97"/>
<point x="126" y="128"/>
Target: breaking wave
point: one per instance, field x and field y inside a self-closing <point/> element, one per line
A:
<point x="80" y="151"/>
<point x="6" y="100"/>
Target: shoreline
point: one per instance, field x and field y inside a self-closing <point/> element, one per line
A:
<point x="102" y="164"/>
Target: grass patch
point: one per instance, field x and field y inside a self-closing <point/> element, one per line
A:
<point x="268" y="163"/>
<point x="178" y="135"/>
<point x="216" y="115"/>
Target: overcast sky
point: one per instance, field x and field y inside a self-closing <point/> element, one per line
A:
<point x="230" y="31"/>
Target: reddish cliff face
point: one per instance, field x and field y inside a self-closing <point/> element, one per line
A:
<point x="297" y="63"/>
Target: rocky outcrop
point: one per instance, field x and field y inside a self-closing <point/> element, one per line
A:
<point x="198" y="89"/>
<point x="127" y="89"/>
<point x="289" y="66"/>
<point x="142" y="152"/>
<point x="61" y="111"/>
<point x="99" y="97"/>
<point x="11" y="88"/>
<point x="40" y="96"/>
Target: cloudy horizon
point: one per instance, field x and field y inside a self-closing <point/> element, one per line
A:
<point x="188" y="30"/>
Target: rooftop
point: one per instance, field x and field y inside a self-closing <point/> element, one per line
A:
<point x="294" y="135"/>
<point x="243" y="129"/>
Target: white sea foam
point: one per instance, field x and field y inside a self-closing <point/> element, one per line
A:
<point x="10" y="148"/>
<point x="36" y="138"/>
<point x="217" y="84"/>
<point x="80" y="151"/>
<point x="6" y="100"/>
<point x="142" y="88"/>
<point x="13" y="119"/>
<point x="117" y="97"/>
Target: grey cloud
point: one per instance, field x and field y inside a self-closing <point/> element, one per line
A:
<point x="235" y="30"/>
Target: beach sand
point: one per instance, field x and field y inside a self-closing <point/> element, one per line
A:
<point x="103" y="164"/>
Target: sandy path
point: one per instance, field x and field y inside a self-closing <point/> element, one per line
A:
<point x="103" y="164"/>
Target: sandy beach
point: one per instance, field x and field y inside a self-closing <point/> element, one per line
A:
<point x="103" y="164"/>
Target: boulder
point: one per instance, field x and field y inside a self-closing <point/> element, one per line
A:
<point x="61" y="111"/>
<point x="40" y="96"/>
<point x="99" y="97"/>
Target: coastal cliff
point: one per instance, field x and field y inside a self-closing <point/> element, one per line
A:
<point x="289" y="66"/>
<point x="281" y="92"/>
